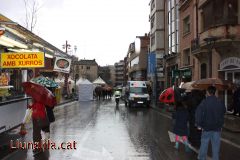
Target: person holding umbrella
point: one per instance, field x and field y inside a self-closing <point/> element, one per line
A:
<point x="39" y="121"/>
<point x="181" y="118"/>
<point x="41" y="97"/>
<point x="50" y="85"/>
<point x="209" y="118"/>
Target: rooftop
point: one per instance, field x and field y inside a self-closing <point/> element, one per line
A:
<point x="86" y="62"/>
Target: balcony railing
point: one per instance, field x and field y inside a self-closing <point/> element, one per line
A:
<point x="195" y="44"/>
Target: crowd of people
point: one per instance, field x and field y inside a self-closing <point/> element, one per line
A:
<point x="103" y="93"/>
<point x="199" y="118"/>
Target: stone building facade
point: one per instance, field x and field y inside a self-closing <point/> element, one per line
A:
<point x="87" y="69"/>
<point x="137" y="62"/>
<point x="119" y="73"/>
<point x="210" y="48"/>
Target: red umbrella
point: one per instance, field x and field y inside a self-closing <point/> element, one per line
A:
<point x="39" y="93"/>
<point x="167" y="96"/>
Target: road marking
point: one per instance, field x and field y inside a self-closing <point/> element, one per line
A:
<point x="230" y="143"/>
<point x="222" y="139"/>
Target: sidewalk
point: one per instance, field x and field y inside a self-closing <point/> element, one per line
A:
<point x="6" y="137"/>
<point x="230" y="133"/>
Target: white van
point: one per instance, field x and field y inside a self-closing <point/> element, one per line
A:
<point x="136" y="94"/>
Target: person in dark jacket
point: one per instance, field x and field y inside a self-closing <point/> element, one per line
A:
<point x="181" y="118"/>
<point x="236" y="101"/>
<point x="181" y="126"/>
<point x="195" y="97"/>
<point x="209" y="117"/>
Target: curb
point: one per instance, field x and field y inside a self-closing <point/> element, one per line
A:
<point x="60" y="104"/>
<point x="231" y="123"/>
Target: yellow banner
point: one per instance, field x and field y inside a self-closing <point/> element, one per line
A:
<point x="22" y="60"/>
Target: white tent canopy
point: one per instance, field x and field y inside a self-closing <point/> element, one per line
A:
<point x="85" y="91"/>
<point x="80" y="80"/>
<point x="99" y="81"/>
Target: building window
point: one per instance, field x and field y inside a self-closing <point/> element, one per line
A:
<point x="186" y="25"/>
<point x="88" y="67"/>
<point x="173" y="39"/>
<point x="152" y="22"/>
<point x="173" y="14"/>
<point x="135" y="61"/>
<point x="169" y="18"/>
<point x="152" y="39"/>
<point x="203" y="71"/>
<point x="172" y="3"/>
<point x="152" y="5"/>
<point x="225" y="12"/>
<point x="186" y="57"/>
<point x="81" y="67"/>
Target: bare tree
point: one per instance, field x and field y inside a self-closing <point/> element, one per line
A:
<point x="31" y="9"/>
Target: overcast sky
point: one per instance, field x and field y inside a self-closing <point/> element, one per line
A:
<point x="101" y="29"/>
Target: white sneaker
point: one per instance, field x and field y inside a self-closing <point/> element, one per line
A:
<point x="45" y="136"/>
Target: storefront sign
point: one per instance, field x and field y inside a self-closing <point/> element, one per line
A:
<point x="62" y="65"/>
<point x="22" y="60"/>
<point x="231" y="61"/>
<point x="186" y="73"/>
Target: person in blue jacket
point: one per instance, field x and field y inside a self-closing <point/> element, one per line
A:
<point x="209" y="117"/>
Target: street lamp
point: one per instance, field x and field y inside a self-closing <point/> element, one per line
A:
<point x="66" y="46"/>
<point x="210" y="43"/>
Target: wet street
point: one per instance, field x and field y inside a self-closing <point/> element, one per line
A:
<point x="101" y="131"/>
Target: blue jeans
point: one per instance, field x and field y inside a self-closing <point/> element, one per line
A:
<point x="214" y="136"/>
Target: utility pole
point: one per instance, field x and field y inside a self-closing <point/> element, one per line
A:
<point x="66" y="75"/>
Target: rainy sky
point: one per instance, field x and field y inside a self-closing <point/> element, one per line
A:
<point x="101" y="29"/>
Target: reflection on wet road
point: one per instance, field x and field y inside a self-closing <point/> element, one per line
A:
<point x="106" y="132"/>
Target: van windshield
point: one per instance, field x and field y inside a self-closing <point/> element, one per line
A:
<point x="138" y="90"/>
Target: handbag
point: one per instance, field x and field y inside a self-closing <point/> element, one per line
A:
<point x="28" y="116"/>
